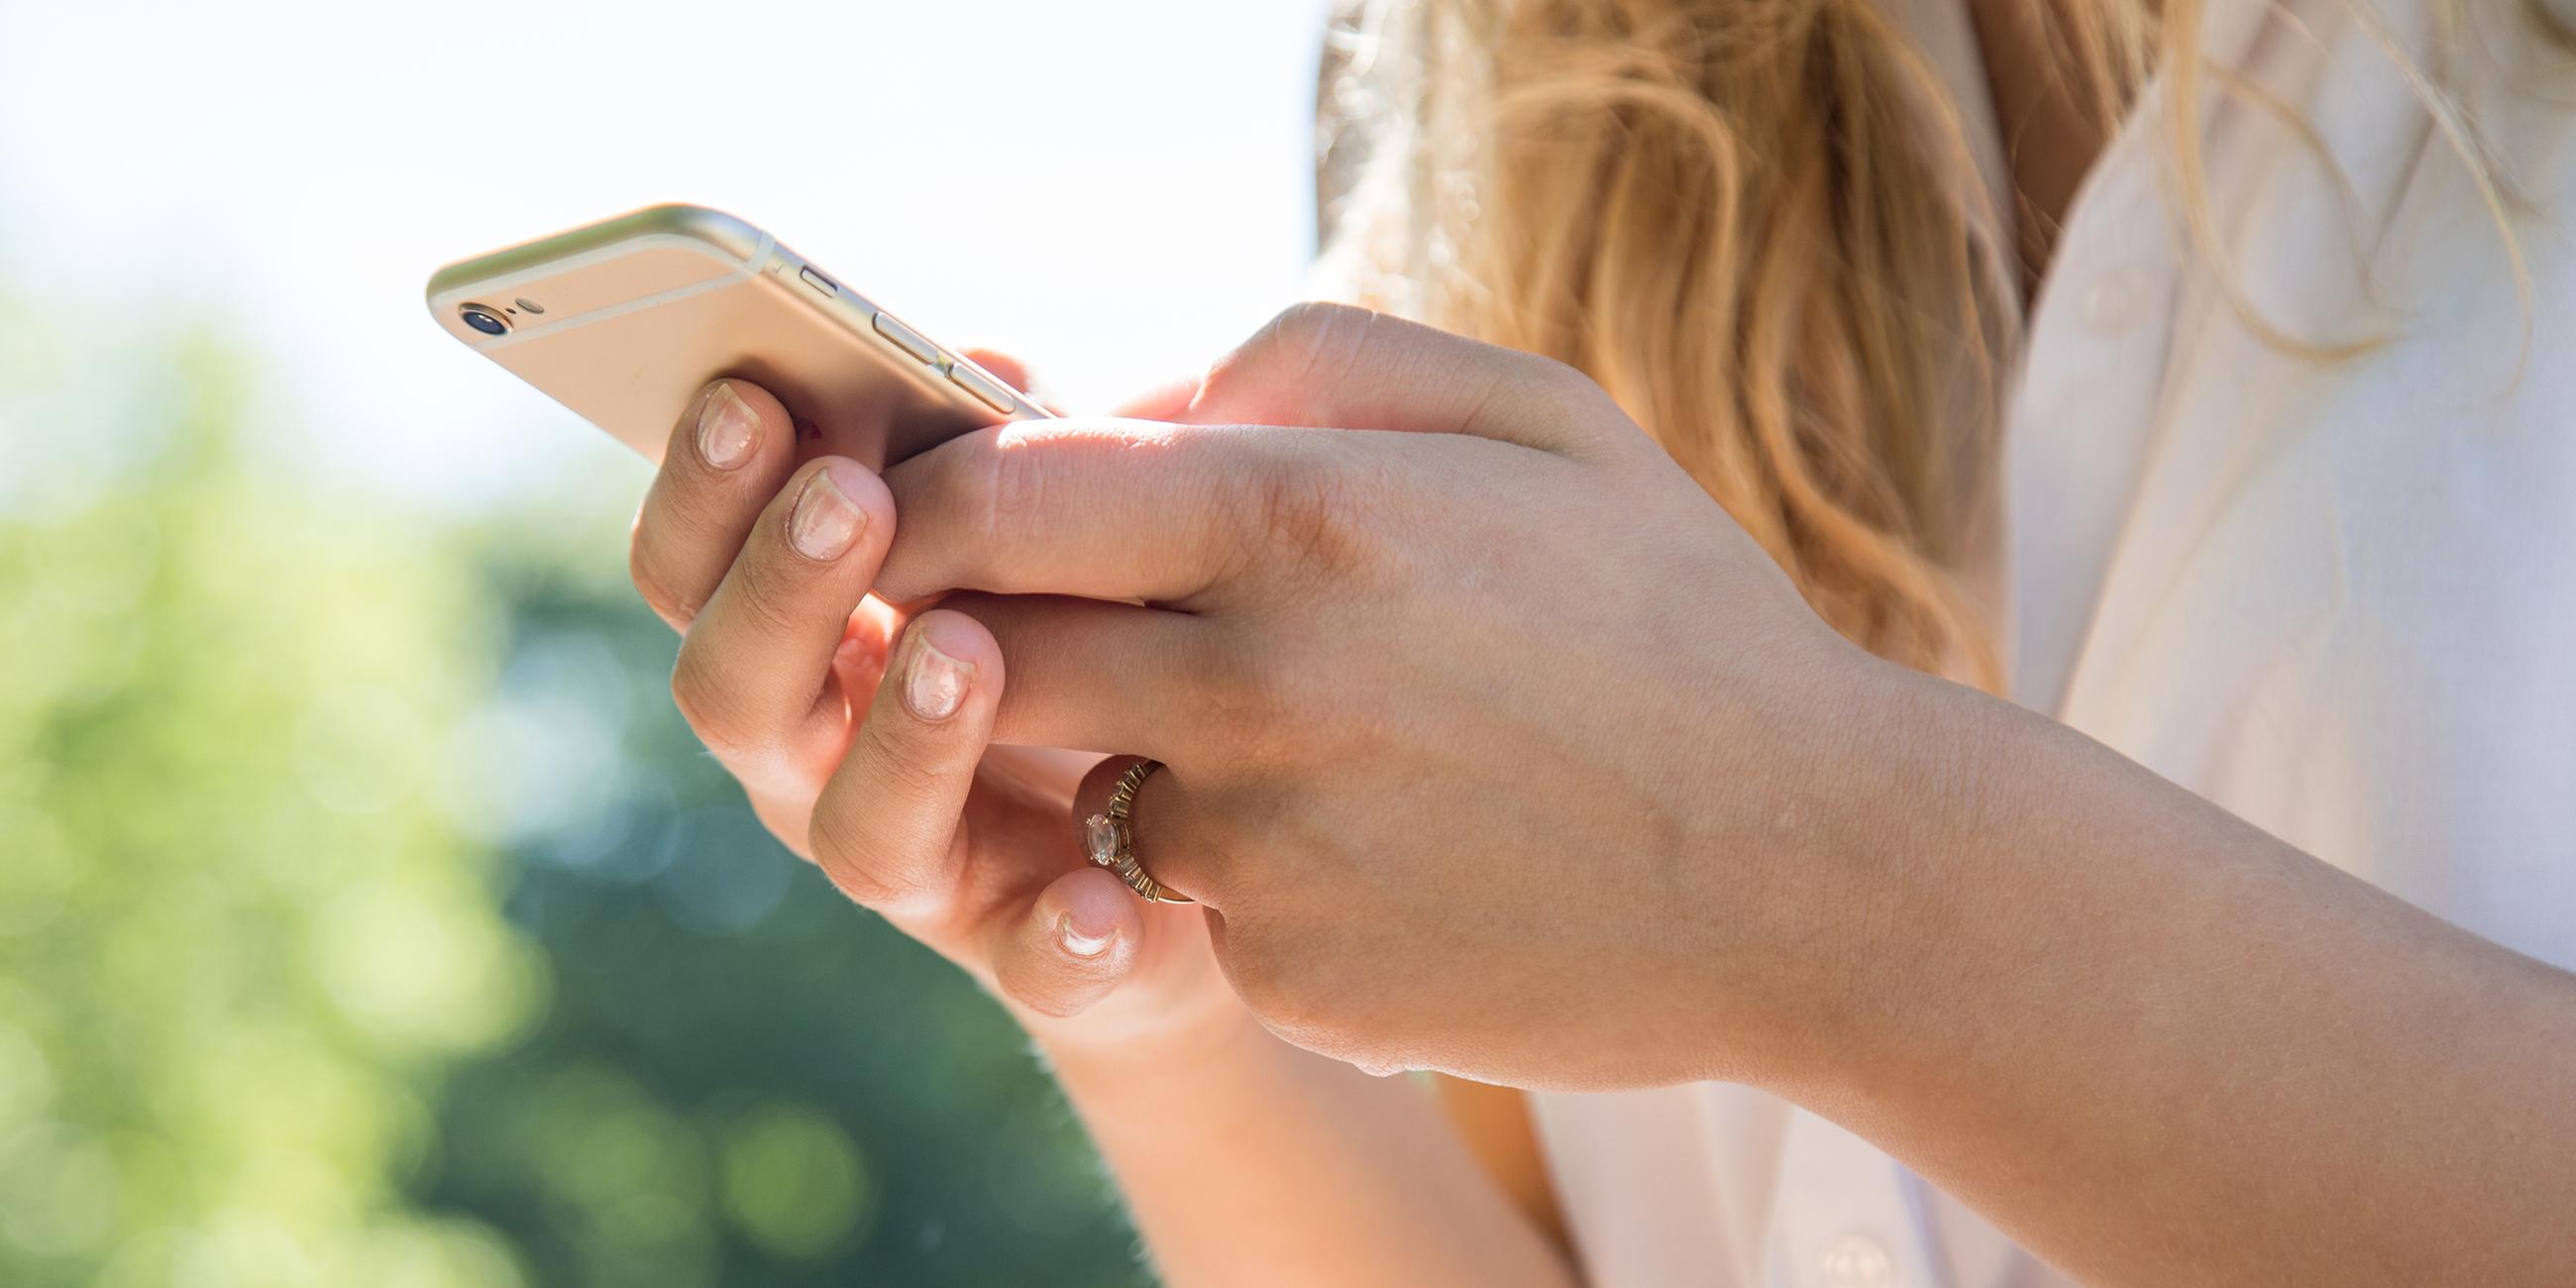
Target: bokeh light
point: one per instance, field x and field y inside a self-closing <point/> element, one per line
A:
<point x="794" y="1183"/>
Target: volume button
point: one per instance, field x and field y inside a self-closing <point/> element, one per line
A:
<point x="907" y="339"/>
<point x="986" y="389"/>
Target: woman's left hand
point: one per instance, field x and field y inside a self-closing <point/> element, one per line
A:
<point x="1492" y="745"/>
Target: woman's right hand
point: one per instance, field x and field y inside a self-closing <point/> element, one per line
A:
<point x="810" y="696"/>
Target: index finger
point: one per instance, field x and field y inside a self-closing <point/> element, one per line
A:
<point x="728" y="455"/>
<point x="1124" y="509"/>
<point x="1101" y="508"/>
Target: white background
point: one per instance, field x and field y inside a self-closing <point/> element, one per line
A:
<point x="1116" y="190"/>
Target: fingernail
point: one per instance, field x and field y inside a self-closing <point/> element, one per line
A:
<point x="1081" y="943"/>
<point x="826" y="521"/>
<point x="725" y="427"/>
<point x="933" y="682"/>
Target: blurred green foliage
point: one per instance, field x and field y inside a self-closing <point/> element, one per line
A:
<point x="366" y="916"/>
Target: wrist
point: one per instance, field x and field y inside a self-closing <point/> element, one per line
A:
<point x="1973" y="834"/>
<point x="1869" y="887"/>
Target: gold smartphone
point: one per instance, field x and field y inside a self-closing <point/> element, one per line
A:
<point x="626" y="319"/>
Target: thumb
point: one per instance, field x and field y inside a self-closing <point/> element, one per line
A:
<point x="1331" y="366"/>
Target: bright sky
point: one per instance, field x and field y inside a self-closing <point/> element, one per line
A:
<point x="1115" y="190"/>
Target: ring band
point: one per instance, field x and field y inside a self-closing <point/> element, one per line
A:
<point x="1110" y="838"/>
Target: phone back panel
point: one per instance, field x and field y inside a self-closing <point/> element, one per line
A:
<point x="624" y="321"/>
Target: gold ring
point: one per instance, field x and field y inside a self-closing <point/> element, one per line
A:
<point x="1110" y="839"/>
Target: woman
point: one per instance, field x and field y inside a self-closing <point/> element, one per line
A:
<point x="2194" y="378"/>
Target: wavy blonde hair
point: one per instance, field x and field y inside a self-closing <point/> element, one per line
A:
<point x="1744" y="219"/>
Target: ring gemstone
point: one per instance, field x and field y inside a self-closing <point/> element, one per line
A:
<point x="1105" y="838"/>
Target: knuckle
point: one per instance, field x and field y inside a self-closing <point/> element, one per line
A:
<point x="763" y="592"/>
<point x="956" y="492"/>
<point x="1011" y="490"/>
<point x="1258" y="975"/>
<point x="1569" y="396"/>
<point x="715" y="712"/>
<point x="1280" y="999"/>
<point x="649" y="583"/>
<point x="1252" y="690"/>
<point x="1312" y="506"/>
<point x="962" y="480"/>
<point x="1309" y="327"/>
<point x="1317" y="1019"/>
<point x="1232" y="685"/>
<point x="1559" y="377"/>
<point x="1302" y="343"/>
<point x="902" y="780"/>
<point x="891" y="774"/>
<point x="852" y="855"/>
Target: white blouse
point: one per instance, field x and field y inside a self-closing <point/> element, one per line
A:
<point x="2336" y="597"/>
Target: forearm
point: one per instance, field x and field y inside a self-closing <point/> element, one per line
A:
<point x="2159" y="1046"/>
<point x="1248" y="1161"/>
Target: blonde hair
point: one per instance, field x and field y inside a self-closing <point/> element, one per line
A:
<point x="1743" y="218"/>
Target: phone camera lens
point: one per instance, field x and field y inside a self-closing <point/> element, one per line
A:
<point x="483" y="319"/>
